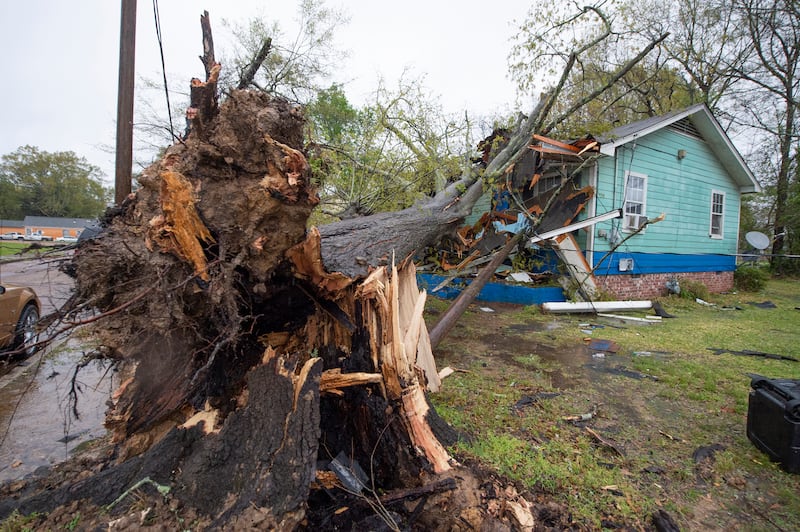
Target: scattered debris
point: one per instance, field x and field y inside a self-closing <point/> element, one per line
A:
<point x="663" y="522"/>
<point x="486" y="309"/>
<point x="349" y="473"/>
<point x="581" y="417"/>
<point x="621" y="370"/>
<point x="704" y="461"/>
<point x="749" y="353"/>
<point x="671" y="437"/>
<point x="613" y="489"/>
<point x="530" y="400"/>
<point x="69" y="437"/>
<point x="659" y="310"/>
<point x="588" y="328"/>
<point x="446" y="372"/>
<point x="437" y="486"/>
<point x="763" y="304"/>
<point x="520" y="277"/>
<point x="609" y="346"/>
<point x="605" y="443"/>
<point x="659" y="354"/>
<point x="631" y="320"/>
<point x="706" y="452"/>
<point x="521" y="514"/>
<point x="706" y="303"/>
<point x="595" y="306"/>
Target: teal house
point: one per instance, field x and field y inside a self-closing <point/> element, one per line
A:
<point x="680" y="168"/>
<point x="680" y="165"/>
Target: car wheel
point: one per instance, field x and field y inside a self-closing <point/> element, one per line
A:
<point x="26" y="330"/>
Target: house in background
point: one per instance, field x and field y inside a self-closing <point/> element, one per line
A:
<point x="681" y="165"/>
<point x="12" y="226"/>
<point x="55" y="227"/>
<point x="684" y="166"/>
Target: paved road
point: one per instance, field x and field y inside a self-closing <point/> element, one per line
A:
<point x="52" y="286"/>
<point x="36" y="428"/>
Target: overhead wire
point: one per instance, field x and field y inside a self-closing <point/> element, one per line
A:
<point x="157" y="17"/>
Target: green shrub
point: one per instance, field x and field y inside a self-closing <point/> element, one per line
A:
<point x="750" y="278"/>
<point x="691" y="289"/>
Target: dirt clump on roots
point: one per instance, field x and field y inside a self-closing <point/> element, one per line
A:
<point x="195" y="257"/>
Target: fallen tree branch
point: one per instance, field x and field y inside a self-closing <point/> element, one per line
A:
<point x="438" y="486"/>
<point x="249" y="73"/>
<point x="604" y="442"/>
<point x="468" y="295"/>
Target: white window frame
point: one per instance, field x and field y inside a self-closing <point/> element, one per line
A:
<point x="720" y="214"/>
<point x="546" y="183"/>
<point x="642" y="216"/>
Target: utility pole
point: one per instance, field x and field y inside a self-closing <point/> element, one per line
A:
<point x="127" y="59"/>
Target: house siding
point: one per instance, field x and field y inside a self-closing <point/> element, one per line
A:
<point x="483" y="205"/>
<point x="681" y="188"/>
<point x="12" y="226"/>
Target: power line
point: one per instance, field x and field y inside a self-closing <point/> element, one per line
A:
<point x="163" y="67"/>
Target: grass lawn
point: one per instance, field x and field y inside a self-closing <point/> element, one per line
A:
<point x="9" y="247"/>
<point x="654" y="407"/>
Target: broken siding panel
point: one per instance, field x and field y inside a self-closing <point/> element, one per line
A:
<point x="483" y="205"/>
<point x="679" y="187"/>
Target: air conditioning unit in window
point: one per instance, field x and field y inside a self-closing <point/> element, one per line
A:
<point x="625" y="265"/>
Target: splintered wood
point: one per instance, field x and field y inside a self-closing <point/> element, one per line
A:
<point x="179" y="229"/>
<point x="390" y="311"/>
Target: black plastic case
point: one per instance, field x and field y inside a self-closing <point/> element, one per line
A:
<point x="773" y="419"/>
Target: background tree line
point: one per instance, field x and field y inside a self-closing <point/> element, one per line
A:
<point x="39" y="183"/>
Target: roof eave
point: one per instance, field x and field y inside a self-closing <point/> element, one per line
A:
<point x="714" y="135"/>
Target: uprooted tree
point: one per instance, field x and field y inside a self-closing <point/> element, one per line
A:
<point x="250" y="346"/>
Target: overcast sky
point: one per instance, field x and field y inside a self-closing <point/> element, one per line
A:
<point x="60" y="86"/>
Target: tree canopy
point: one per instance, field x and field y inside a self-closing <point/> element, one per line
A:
<point x="384" y="155"/>
<point x="40" y="183"/>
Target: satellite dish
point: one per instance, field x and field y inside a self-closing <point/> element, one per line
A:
<point x="757" y="239"/>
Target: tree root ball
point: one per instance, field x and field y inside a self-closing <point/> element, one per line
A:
<point x="196" y="256"/>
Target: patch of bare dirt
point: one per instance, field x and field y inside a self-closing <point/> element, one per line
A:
<point x="474" y="499"/>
